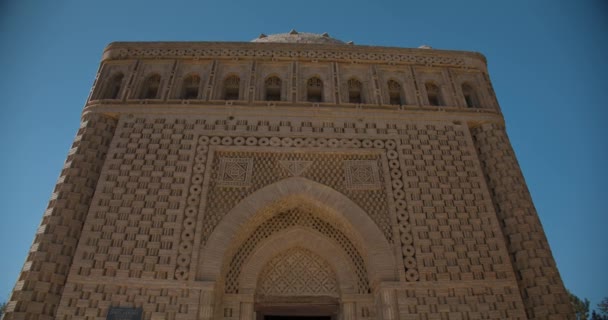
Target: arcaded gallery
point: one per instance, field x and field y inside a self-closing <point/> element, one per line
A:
<point x="295" y="176"/>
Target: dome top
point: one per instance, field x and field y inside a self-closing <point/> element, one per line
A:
<point x="298" y="37"/>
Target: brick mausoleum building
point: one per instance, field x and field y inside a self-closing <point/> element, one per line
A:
<point x="292" y="175"/>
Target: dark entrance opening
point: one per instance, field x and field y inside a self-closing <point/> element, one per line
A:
<point x="296" y="318"/>
<point x="297" y="308"/>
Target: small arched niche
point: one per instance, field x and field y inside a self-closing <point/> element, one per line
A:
<point x="395" y="93"/>
<point x="314" y="90"/>
<point x="355" y="88"/>
<point x="433" y="93"/>
<point x="150" y="87"/>
<point x="232" y="86"/>
<point x="113" y="86"/>
<point x="190" y="87"/>
<point x="272" y="88"/>
<point x="470" y="95"/>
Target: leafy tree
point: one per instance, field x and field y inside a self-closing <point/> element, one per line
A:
<point x="2" y="308"/>
<point x="603" y="306"/>
<point x="581" y="307"/>
<point x="596" y="316"/>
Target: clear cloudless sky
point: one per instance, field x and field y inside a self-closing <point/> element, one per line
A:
<point x="547" y="61"/>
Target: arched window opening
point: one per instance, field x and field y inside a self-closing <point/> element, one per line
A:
<point x="433" y="94"/>
<point x="231" y="88"/>
<point x="395" y="96"/>
<point x="190" y="87"/>
<point x="314" y="90"/>
<point x="354" y="91"/>
<point x="470" y="96"/>
<point x="273" y="88"/>
<point x="113" y="87"/>
<point x="151" y="87"/>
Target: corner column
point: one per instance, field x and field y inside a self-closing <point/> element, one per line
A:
<point x="540" y="284"/>
<point x="37" y="293"/>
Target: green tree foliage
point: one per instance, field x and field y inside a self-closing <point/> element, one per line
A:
<point x="2" y="308"/>
<point x="581" y="307"/>
<point x="603" y="310"/>
<point x="603" y="306"/>
<point x="597" y="316"/>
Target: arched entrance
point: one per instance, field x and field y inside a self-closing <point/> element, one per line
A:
<point x="297" y="283"/>
<point x="296" y="248"/>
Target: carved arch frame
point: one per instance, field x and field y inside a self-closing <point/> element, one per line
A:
<point x="376" y="251"/>
<point x="303" y="238"/>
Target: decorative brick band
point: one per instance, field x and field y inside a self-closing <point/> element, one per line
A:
<point x="293" y="52"/>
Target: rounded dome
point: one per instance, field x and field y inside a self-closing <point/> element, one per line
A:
<point x="298" y="37"/>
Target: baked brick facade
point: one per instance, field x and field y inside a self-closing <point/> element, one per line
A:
<point x="293" y="175"/>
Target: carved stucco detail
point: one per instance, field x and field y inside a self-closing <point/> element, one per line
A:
<point x="297" y="272"/>
<point x="235" y="172"/>
<point x="361" y="174"/>
<point x="295" y="168"/>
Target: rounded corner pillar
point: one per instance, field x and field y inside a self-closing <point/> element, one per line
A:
<point x="377" y="252"/>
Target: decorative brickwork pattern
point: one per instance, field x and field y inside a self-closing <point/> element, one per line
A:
<point x="451" y="217"/>
<point x="460" y="302"/>
<point x="92" y="301"/>
<point x="234" y="172"/>
<point x="191" y="214"/>
<point x="298" y="272"/>
<point x="295" y="168"/>
<point x="269" y="167"/>
<point x="540" y="285"/>
<point x="408" y="252"/>
<point x="40" y="285"/>
<point x="303" y="217"/>
<point x="361" y="174"/>
<point x="136" y="215"/>
<point x="289" y="52"/>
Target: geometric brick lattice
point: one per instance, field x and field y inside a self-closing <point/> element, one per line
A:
<point x="301" y="216"/>
<point x="539" y="283"/>
<point x="450" y="214"/>
<point x="235" y="172"/>
<point x="272" y="166"/>
<point x="460" y="302"/>
<point x="92" y="301"/>
<point x="295" y="168"/>
<point x="38" y="290"/>
<point x="361" y="174"/>
<point x="132" y="224"/>
<point x="297" y="272"/>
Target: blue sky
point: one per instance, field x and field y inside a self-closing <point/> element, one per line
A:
<point x="547" y="61"/>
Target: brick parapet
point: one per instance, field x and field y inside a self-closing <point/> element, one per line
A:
<point x="293" y="51"/>
<point x="540" y="284"/>
<point x="38" y="290"/>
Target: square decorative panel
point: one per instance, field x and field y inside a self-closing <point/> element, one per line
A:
<point x="235" y="172"/>
<point x="361" y="174"/>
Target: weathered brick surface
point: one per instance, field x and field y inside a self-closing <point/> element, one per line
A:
<point x="92" y="301"/>
<point x="473" y="300"/>
<point x="42" y="279"/>
<point x="540" y="285"/>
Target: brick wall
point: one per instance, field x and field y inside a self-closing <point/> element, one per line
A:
<point x="40" y="285"/>
<point x="539" y="282"/>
